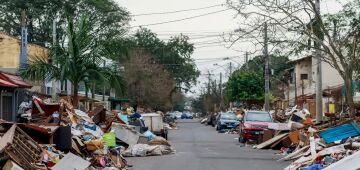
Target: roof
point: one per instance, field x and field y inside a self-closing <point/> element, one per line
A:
<point x="12" y="80"/>
<point x="300" y="59"/>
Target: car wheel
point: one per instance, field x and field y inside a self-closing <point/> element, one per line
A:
<point x="241" y="139"/>
<point x="218" y="128"/>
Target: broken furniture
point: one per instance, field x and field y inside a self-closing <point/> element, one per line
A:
<point x="22" y="148"/>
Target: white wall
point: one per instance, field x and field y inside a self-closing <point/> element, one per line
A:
<point x="330" y="78"/>
<point x="58" y="86"/>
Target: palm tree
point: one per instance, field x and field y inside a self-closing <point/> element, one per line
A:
<point x="79" y="61"/>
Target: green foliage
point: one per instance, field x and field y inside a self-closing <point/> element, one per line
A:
<point x="279" y="65"/>
<point x="198" y="104"/>
<point x="106" y="17"/>
<point x="77" y="62"/>
<point x="245" y="86"/>
<point x="174" y="55"/>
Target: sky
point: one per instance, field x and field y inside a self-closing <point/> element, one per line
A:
<point x="212" y="55"/>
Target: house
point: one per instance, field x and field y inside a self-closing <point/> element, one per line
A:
<point x="10" y="62"/>
<point x="302" y="84"/>
<point x="10" y="57"/>
<point x="11" y="95"/>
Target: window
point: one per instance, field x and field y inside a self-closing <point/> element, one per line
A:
<point x="48" y="90"/>
<point x="258" y="117"/>
<point x="304" y="76"/>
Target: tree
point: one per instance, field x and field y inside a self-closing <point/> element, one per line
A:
<point x="175" y="55"/>
<point x="279" y="65"/>
<point x="245" y="86"/>
<point x="77" y="61"/>
<point x="148" y="84"/>
<point x="106" y="17"/>
<point x="298" y="26"/>
<point x="198" y="104"/>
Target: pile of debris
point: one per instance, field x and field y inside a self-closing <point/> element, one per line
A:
<point x="332" y="145"/>
<point x="54" y="136"/>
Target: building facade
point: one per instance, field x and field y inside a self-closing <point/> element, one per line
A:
<point x="302" y="84"/>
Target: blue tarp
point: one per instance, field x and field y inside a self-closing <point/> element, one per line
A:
<point x="313" y="167"/>
<point x="340" y="132"/>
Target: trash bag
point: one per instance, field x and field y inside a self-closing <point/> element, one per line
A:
<point x="159" y="141"/>
<point x="154" y="151"/>
<point x="166" y="150"/>
<point x="136" y="150"/>
<point x="149" y="135"/>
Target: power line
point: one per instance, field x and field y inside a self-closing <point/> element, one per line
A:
<point x="177" y="11"/>
<point x="183" y="19"/>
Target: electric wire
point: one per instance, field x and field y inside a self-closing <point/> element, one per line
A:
<point x="183" y="19"/>
<point x="177" y="11"/>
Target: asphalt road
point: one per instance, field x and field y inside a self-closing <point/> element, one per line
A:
<point x="200" y="147"/>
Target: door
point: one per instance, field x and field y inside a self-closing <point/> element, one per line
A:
<point x="7" y="108"/>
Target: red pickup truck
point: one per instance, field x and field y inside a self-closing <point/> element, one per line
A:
<point x="253" y="124"/>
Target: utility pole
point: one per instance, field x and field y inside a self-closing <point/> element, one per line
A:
<point x="104" y="88"/>
<point x="246" y="60"/>
<point x="209" y="81"/>
<point x="230" y="68"/>
<point x="221" y="93"/>
<point x="53" y="82"/>
<point x="267" y="77"/>
<point x="23" y="48"/>
<point x="319" y="106"/>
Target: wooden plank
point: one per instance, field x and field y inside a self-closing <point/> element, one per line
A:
<point x="280" y="141"/>
<point x="271" y="141"/>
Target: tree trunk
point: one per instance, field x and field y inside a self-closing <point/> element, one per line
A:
<point x="75" y="101"/>
<point x="349" y="92"/>
<point x="86" y="94"/>
<point x="92" y="95"/>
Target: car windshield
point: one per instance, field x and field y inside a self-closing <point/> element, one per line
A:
<point x="228" y="116"/>
<point x="258" y="117"/>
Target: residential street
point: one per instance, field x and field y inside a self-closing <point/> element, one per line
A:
<point x="200" y="147"/>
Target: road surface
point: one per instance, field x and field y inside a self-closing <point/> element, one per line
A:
<point x="200" y="147"/>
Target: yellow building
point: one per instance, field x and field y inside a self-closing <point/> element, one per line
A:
<point x="10" y="52"/>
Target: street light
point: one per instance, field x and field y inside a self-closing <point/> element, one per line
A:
<point x="239" y="64"/>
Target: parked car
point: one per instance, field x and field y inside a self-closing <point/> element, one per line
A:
<point x="186" y="115"/>
<point x="226" y="120"/>
<point x="173" y="115"/>
<point x="253" y="124"/>
<point x="190" y="115"/>
<point x="178" y="115"/>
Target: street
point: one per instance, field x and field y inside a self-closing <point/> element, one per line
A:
<point x="200" y="147"/>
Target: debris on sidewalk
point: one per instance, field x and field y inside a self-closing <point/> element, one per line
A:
<point x="56" y="135"/>
<point x="310" y="147"/>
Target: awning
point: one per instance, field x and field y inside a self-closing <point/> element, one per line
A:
<point x="12" y="80"/>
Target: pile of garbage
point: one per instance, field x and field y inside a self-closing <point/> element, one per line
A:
<point x="332" y="145"/>
<point x="55" y="135"/>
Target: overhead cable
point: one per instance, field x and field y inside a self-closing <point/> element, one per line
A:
<point x="177" y="11"/>
<point x="183" y="19"/>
